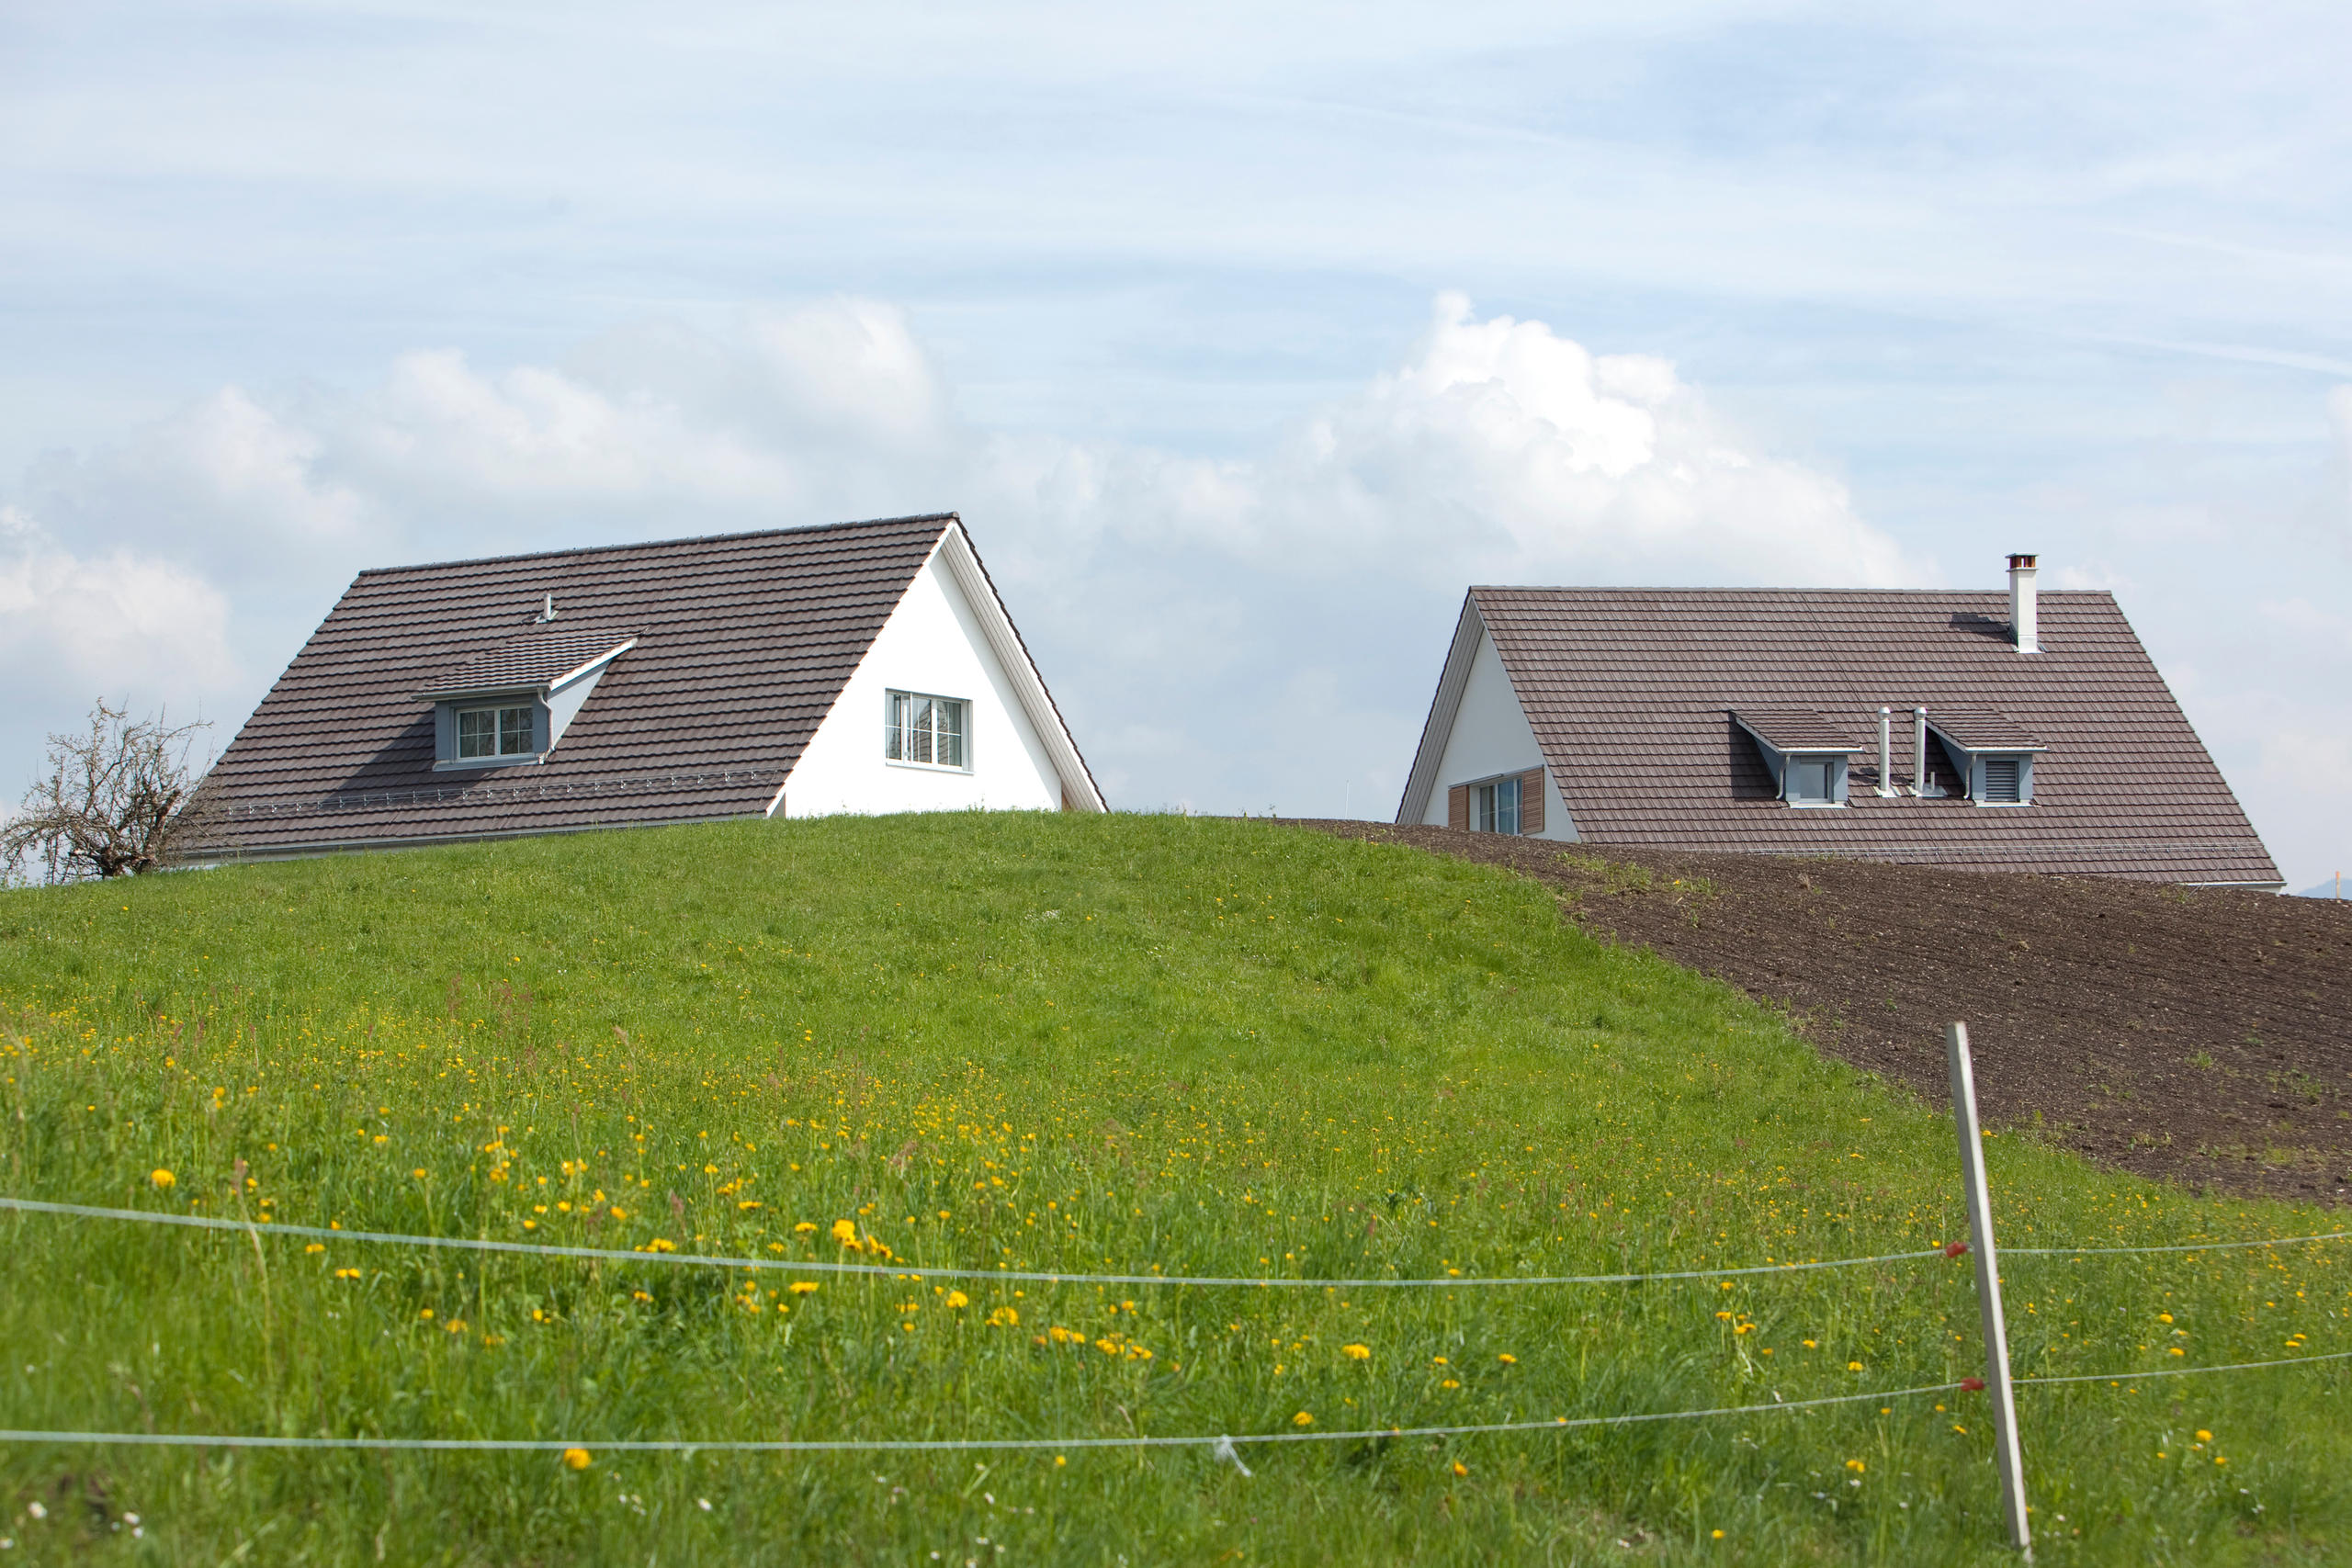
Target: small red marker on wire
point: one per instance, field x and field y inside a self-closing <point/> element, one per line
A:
<point x="1955" y="1249"/>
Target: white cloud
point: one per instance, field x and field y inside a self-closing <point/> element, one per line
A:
<point x="1190" y="607"/>
<point x="115" y="623"/>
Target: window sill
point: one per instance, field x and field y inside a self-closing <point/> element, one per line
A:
<point x="469" y="764"/>
<point x="927" y="767"/>
<point x="2001" y="804"/>
<point x="1814" y="805"/>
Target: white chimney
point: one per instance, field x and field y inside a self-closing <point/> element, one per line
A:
<point x="1886" y="790"/>
<point x="2025" y="617"/>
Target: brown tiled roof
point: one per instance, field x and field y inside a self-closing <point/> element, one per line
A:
<point x="743" y="642"/>
<point x="1797" y="729"/>
<point x="1981" y="729"/>
<point x="1630" y="691"/>
<point x="527" y="660"/>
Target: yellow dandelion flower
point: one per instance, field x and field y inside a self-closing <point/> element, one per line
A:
<point x="620" y="1213"/>
<point x="160" y="1176"/>
<point x="1460" y="1468"/>
<point x="1301" y="1419"/>
<point x="1507" y="1359"/>
<point x="803" y="1228"/>
<point x="1004" y="1317"/>
<point x="347" y="1273"/>
<point x="1855" y="1465"/>
<point x="418" y="1173"/>
<point x="1356" y="1352"/>
<point x="2203" y="1435"/>
<point x="577" y="1459"/>
<point x="959" y="1299"/>
<point x="316" y="1247"/>
<point x="1853" y="1366"/>
<point x="802" y="1287"/>
<point x="426" y="1314"/>
<point x="845" y="1232"/>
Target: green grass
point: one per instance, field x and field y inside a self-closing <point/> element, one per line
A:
<point x="1067" y="1043"/>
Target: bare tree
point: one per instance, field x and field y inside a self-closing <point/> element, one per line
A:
<point x="115" y="802"/>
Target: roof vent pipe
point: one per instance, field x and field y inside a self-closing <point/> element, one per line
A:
<point x="548" y="614"/>
<point x="1886" y="790"/>
<point x="1919" y="752"/>
<point x="2025" y="619"/>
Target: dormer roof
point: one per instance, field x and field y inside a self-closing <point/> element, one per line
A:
<point x="538" y="660"/>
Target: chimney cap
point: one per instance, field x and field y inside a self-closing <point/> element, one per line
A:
<point x="2021" y="563"/>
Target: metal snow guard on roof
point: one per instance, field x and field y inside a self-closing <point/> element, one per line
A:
<point x="1795" y="729"/>
<point x="1981" y="729"/>
<point x="528" y="661"/>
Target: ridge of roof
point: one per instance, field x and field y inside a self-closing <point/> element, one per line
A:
<point x="940" y="517"/>
<point x="1594" y="589"/>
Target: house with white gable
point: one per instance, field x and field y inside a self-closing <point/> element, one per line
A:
<point x="855" y="667"/>
<point x="2025" y="731"/>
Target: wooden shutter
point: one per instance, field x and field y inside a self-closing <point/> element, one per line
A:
<point x="1530" y="801"/>
<point x="1457" y="808"/>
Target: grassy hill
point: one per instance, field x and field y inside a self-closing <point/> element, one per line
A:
<point x="1130" y="1044"/>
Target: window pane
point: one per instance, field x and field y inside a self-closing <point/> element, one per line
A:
<point x="894" y="727"/>
<point x="515" y="732"/>
<point x="1507" y="806"/>
<point x="478" y="733"/>
<point x="950" y="734"/>
<point x="919" y="739"/>
<point x="1809" y="779"/>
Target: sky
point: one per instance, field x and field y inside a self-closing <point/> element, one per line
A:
<point x="1242" y="338"/>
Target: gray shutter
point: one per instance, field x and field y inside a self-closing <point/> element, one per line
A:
<point x="1530" y="801"/>
<point x="1457" y="808"/>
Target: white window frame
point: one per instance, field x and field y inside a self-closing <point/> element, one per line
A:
<point x="500" y="712"/>
<point x="1487" y="804"/>
<point x="898" y="734"/>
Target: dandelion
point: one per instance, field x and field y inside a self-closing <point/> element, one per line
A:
<point x="661" y="1243"/>
<point x="577" y="1459"/>
<point x="418" y="1173"/>
<point x="802" y="1287"/>
<point x="1507" y="1359"/>
<point x="1059" y="1461"/>
<point x="1460" y="1468"/>
<point x="425" y="1315"/>
<point x="1853" y="1366"/>
<point x="1718" y="1535"/>
<point x="619" y="1213"/>
<point x="2203" y="1435"/>
<point x="347" y="1273"/>
<point x="640" y="1295"/>
<point x="804" y="1227"/>
<point x="161" y="1177"/>
<point x="1855" y="1465"/>
<point x="1301" y="1419"/>
<point x="315" y="1247"/>
<point x="1356" y="1352"/>
<point x="845" y="1232"/>
<point x="1450" y="1383"/>
<point x="1004" y="1317"/>
<point x="959" y="1299"/>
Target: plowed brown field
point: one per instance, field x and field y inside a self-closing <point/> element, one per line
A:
<point x="2194" y="1035"/>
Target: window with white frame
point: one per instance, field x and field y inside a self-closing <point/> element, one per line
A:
<point x="927" y="730"/>
<point x="1494" y="807"/>
<point x="498" y="731"/>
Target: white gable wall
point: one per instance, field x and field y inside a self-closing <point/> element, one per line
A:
<point x="933" y="643"/>
<point x="1491" y="736"/>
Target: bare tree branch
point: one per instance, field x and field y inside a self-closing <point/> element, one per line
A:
<point x="115" y="802"/>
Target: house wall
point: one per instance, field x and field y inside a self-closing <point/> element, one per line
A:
<point x="933" y="643"/>
<point x="1490" y="737"/>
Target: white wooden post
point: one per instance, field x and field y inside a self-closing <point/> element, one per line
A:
<point x="2005" y="1454"/>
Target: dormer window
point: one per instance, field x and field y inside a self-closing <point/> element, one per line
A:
<point x="1805" y="754"/>
<point x="1992" y="753"/>
<point x="508" y="704"/>
<point x="498" y="731"/>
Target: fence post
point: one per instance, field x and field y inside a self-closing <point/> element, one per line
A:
<point x="2006" y="1454"/>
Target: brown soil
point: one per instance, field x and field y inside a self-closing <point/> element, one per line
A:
<point x="2194" y="1035"/>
